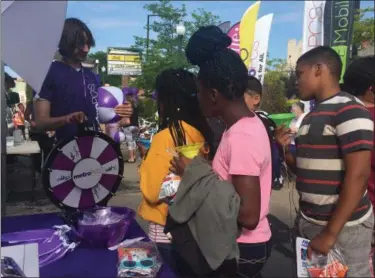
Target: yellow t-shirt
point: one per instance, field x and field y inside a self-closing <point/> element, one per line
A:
<point x="155" y="168"/>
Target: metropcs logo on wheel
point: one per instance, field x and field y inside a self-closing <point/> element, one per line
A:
<point x="87" y="174"/>
<point x="82" y="175"/>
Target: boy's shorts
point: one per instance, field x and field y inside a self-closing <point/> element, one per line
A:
<point x="354" y="243"/>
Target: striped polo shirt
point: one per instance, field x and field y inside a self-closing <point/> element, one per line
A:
<point x="338" y="126"/>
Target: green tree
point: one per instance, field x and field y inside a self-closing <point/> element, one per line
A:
<point x="167" y="49"/>
<point x="278" y="80"/>
<point x="114" y="80"/>
<point x="147" y="108"/>
<point x="363" y="29"/>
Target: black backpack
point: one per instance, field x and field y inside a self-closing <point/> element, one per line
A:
<point x="276" y="150"/>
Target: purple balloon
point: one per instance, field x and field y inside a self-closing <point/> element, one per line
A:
<point x="106" y="99"/>
<point x="126" y="90"/>
<point x="118" y="136"/>
<point x="154" y="95"/>
<point x="134" y="91"/>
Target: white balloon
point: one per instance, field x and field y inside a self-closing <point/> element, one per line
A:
<point x="120" y="135"/>
<point x="106" y="114"/>
<point x="117" y="93"/>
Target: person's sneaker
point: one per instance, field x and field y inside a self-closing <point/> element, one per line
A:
<point x="277" y="185"/>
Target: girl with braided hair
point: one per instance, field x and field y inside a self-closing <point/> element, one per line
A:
<point x="244" y="155"/>
<point x="180" y="122"/>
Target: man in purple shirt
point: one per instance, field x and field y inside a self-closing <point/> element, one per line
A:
<point x="69" y="95"/>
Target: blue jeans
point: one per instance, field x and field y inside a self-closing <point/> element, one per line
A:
<point x="292" y="149"/>
<point x="169" y="255"/>
<point x="276" y="162"/>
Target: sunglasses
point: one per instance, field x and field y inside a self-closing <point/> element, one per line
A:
<point x="147" y="263"/>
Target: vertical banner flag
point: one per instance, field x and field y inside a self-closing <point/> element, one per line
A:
<point x="260" y="47"/>
<point x="247" y="31"/>
<point x="313" y="25"/>
<point x="225" y="26"/>
<point x="313" y="30"/>
<point x="338" y="27"/>
<point x="234" y="34"/>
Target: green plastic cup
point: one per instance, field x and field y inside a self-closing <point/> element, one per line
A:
<point x="290" y="102"/>
<point x="283" y="118"/>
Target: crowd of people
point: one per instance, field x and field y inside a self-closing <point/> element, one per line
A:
<point x="329" y="149"/>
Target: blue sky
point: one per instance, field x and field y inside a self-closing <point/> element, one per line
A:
<point x="115" y="23"/>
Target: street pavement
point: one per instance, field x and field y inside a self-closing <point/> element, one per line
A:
<point x="282" y="212"/>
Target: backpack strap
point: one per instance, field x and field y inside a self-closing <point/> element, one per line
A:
<point x="270" y="128"/>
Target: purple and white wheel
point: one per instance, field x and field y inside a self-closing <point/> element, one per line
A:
<point x="81" y="172"/>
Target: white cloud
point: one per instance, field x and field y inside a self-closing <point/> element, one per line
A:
<point x="287" y="17"/>
<point x="107" y="22"/>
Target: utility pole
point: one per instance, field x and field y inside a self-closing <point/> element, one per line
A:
<point x="148" y="32"/>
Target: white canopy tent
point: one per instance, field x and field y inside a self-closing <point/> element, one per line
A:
<point x="30" y="33"/>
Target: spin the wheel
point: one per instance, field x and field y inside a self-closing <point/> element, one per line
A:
<point x="83" y="171"/>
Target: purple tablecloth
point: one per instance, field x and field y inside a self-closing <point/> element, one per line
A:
<point x="81" y="262"/>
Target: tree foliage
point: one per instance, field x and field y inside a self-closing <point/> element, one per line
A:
<point x="363" y="29"/>
<point x="166" y="49"/>
<point x="279" y="84"/>
<point x="147" y="108"/>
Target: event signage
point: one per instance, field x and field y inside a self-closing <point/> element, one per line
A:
<point x="234" y="34"/>
<point x="313" y="31"/>
<point x="247" y="31"/>
<point x="260" y="47"/>
<point x="124" y="61"/>
<point x="338" y="27"/>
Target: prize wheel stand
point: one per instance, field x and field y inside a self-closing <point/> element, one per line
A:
<point x="82" y="172"/>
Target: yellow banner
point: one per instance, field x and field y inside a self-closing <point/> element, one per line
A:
<point x="247" y="32"/>
<point x="116" y="58"/>
<point x="124" y="58"/>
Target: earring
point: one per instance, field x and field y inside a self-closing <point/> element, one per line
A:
<point x="178" y="109"/>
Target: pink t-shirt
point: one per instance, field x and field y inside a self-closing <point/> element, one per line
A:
<point x="245" y="150"/>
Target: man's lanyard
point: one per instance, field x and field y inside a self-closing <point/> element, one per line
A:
<point x="94" y="101"/>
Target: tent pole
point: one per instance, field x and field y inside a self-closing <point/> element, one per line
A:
<point x="3" y="142"/>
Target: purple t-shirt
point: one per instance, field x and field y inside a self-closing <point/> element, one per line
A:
<point x="70" y="90"/>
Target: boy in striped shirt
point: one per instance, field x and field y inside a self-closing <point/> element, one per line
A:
<point x="332" y="163"/>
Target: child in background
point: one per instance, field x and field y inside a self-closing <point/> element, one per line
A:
<point x="298" y="110"/>
<point x="130" y="130"/>
<point x="253" y="98"/>
<point x="19" y="119"/>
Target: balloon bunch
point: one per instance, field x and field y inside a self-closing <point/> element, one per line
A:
<point x="108" y="99"/>
<point x="131" y="94"/>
